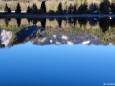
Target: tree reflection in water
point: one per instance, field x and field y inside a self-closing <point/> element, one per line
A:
<point x="59" y="31"/>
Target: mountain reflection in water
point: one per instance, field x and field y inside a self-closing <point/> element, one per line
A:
<point x="57" y="31"/>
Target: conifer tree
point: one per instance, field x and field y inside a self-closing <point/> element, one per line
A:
<point x="29" y="10"/>
<point x="93" y="8"/>
<point x="104" y="7"/>
<point x="112" y="8"/>
<point x="9" y="10"/>
<point x="34" y="9"/>
<point x="6" y="8"/>
<point x="75" y="9"/>
<point x="18" y="8"/>
<point x="43" y="7"/>
<point x="70" y="9"/>
<point x="83" y="9"/>
<point x="60" y="9"/>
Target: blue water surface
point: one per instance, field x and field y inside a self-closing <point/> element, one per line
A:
<point x="57" y="65"/>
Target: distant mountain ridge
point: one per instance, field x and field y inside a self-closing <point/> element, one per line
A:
<point x="32" y="34"/>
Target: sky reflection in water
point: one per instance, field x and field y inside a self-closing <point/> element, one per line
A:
<point x="52" y="65"/>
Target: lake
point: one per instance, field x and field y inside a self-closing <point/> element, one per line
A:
<point x="57" y="52"/>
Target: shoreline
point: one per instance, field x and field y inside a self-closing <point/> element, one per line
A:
<point x="29" y="15"/>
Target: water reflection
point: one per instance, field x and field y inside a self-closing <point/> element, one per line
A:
<point x="104" y="24"/>
<point x="57" y="31"/>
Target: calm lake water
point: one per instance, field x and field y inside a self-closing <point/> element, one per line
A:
<point x="57" y="52"/>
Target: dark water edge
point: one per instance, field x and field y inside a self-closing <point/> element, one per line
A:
<point x="29" y="15"/>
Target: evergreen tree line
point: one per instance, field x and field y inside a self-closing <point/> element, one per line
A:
<point x="8" y="9"/>
<point x="105" y="7"/>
